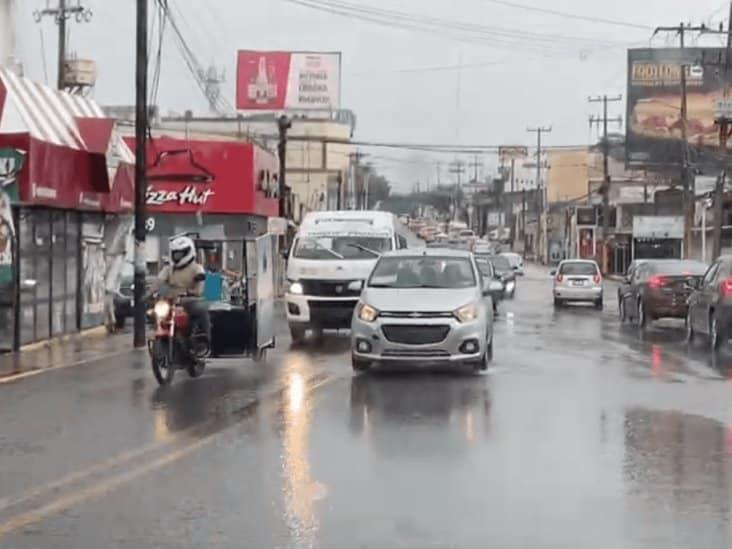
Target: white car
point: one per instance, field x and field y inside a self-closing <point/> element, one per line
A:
<point x="516" y="261"/>
<point x="577" y="280"/>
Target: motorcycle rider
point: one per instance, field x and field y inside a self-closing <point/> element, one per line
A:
<point x="185" y="278"/>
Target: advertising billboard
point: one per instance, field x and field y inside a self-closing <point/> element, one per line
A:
<point x="278" y="80"/>
<point x="653" y="129"/>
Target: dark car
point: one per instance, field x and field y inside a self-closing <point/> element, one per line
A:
<point x="124" y="300"/>
<point x="505" y="273"/>
<point x="659" y="288"/>
<point x="710" y="304"/>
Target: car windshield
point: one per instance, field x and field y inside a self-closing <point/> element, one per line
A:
<point x="485" y="267"/>
<point x="679" y="268"/>
<point x="500" y="263"/>
<point x="578" y="268"/>
<point x="423" y="272"/>
<point x="341" y="247"/>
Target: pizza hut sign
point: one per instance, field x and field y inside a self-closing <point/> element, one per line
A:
<point x="189" y="195"/>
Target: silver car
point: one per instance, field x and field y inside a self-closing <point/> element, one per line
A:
<point x="426" y="307"/>
<point x="577" y="280"/>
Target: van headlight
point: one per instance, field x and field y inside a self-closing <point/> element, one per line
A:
<point x="296" y="288"/>
<point x="367" y="313"/>
<point x="162" y="309"/>
<point x="466" y="313"/>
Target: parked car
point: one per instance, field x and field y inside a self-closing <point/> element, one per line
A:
<point x="429" y="307"/>
<point x="659" y="288"/>
<point x="507" y="276"/>
<point x="624" y="287"/>
<point x="710" y="303"/>
<point x="577" y="280"/>
<point x="516" y="261"/>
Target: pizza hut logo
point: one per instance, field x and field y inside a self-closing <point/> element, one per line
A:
<point x="188" y="195"/>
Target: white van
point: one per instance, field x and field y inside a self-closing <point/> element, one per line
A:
<point x="333" y="253"/>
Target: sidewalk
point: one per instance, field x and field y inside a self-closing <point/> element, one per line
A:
<point x="68" y="351"/>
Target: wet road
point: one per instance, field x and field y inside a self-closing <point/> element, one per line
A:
<point x="583" y="434"/>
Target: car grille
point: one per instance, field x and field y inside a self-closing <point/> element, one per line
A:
<point x="328" y="288"/>
<point x="415" y="335"/>
<point x="411" y="353"/>
<point x="414" y="314"/>
<point x="332" y="314"/>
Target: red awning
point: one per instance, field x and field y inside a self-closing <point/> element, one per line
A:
<point x="73" y="151"/>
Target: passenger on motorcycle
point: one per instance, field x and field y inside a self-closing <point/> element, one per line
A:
<point x="185" y="279"/>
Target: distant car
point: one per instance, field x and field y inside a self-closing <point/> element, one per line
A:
<point x="516" y="261"/>
<point x="426" y="307"/>
<point x="577" y="280"/>
<point x="710" y="303"/>
<point x="660" y="288"/>
<point x="506" y="274"/>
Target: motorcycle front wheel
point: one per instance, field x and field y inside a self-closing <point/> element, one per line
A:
<point x="162" y="365"/>
<point x="196" y="368"/>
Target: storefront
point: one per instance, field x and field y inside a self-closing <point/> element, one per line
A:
<point x="657" y="237"/>
<point x="66" y="176"/>
<point x="217" y="189"/>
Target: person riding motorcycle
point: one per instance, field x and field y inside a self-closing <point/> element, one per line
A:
<point x="184" y="278"/>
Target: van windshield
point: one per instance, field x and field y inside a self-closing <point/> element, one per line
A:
<point x="341" y="247"/>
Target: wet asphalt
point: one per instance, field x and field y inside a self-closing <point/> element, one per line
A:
<point x="584" y="433"/>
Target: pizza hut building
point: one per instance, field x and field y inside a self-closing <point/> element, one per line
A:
<point x="218" y="189"/>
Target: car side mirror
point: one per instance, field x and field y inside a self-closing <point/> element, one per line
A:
<point x="693" y="283"/>
<point x="553" y="272"/>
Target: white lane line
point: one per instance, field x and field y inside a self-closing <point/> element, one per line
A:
<point x="12" y="378"/>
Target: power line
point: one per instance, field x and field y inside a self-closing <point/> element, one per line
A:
<point x="575" y="16"/>
<point x="497" y="36"/>
<point x="437" y="68"/>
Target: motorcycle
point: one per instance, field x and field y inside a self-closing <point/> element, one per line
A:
<point x="176" y="344"/>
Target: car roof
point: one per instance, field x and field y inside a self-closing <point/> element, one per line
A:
<point x="590" y="261"/>
<point x="427" y="252"/>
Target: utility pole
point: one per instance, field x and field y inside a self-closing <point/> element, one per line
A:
<point x="283" y="124"/>
<point x="687" y="202"/>
<point x="724" y="120"/>
<point x="61" y="14"/>
<point x="475" y="165"/>
<point x="458" y="169"/>
<point x="541" y="189"/>
<point x="354" y="195"/>
<point x="141" y="126"/>
<point x="605" y="187"/>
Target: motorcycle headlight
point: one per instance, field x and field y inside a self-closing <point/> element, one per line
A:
<point x="296" y="288"/>
<point x="162" y="309"/>
<point x="466" y="313"/>
<point x="367" y="313"/>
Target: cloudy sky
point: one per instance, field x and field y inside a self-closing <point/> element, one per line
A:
<point x="520" y="67"/>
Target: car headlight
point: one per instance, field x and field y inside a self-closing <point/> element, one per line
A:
<point x="466" y="313"/>
<point x="510" y="284"/>
<point x="367" y="313"/>
<point x="162" y="309"/>
<point x="296" y="288"/>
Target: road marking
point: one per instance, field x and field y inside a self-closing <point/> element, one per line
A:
<point x="104" y="486"/>
<point x="12" y="378"/>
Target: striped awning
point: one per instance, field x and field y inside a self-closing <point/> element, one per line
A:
<point x="49" y="115"/>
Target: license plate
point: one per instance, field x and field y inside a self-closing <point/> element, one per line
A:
<point x="578" y="283"/>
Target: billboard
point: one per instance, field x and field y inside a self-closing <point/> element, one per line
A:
<point x="511" y="152"/>
<point x="653" y="129"/>
<point x="278" y="80"/>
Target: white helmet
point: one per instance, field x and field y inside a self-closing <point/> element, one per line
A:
<point x="182" y="252"/>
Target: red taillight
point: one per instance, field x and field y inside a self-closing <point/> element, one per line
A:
<point x="725" y="287"/>
<point x="656" y="282"/>
<point x="597" y="278"/>
<point x="559" y="278"/>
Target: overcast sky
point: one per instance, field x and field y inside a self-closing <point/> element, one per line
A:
<point x="505" y="85"/>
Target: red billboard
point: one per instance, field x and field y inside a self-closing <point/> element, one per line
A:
<point x="278" y="80"/>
